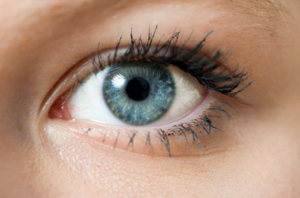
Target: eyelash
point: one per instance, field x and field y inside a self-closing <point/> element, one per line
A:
<point x="172" y="52"/>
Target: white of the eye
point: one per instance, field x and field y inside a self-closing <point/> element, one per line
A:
<point x="88" y="103"/>
<point x="189" y="94"/>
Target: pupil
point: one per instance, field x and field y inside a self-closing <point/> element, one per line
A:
<point x="138" y="89"/>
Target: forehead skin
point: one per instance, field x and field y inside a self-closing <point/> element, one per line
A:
<point x="41" y="40"/>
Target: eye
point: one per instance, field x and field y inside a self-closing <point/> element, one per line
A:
<point x="136" y="94"/>
<point x="144" y="97"/>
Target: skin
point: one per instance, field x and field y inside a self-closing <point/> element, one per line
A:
<point x="256" y="155"/>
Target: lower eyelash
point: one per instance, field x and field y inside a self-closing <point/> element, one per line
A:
<point x="204" y="121"/>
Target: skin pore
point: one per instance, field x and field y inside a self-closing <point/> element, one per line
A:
<point x="255" y="155"/>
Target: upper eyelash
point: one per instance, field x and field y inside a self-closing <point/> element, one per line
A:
<point x="200" y="66"/>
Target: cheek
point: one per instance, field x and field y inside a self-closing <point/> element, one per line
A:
<point x="220" y="170"/>
<point x="120" y="172"/>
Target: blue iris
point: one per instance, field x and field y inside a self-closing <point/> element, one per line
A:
<point x="139" y="93"/>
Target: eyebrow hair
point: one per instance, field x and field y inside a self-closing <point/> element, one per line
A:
<point x="265" y="11"/>
<point x="275" y="8"/>
<point x="273" y="2"/>
<point x="265" y="14"/>
<point x="276" y="4"/>
<point x="262" y="8"/>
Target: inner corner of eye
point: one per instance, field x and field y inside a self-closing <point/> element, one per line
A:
<point x="59" y="109"/>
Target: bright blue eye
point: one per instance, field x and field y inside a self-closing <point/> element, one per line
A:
<point x="139" y="93"/>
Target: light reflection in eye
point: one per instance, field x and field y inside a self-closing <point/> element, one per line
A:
<point x="119" y="81"/>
